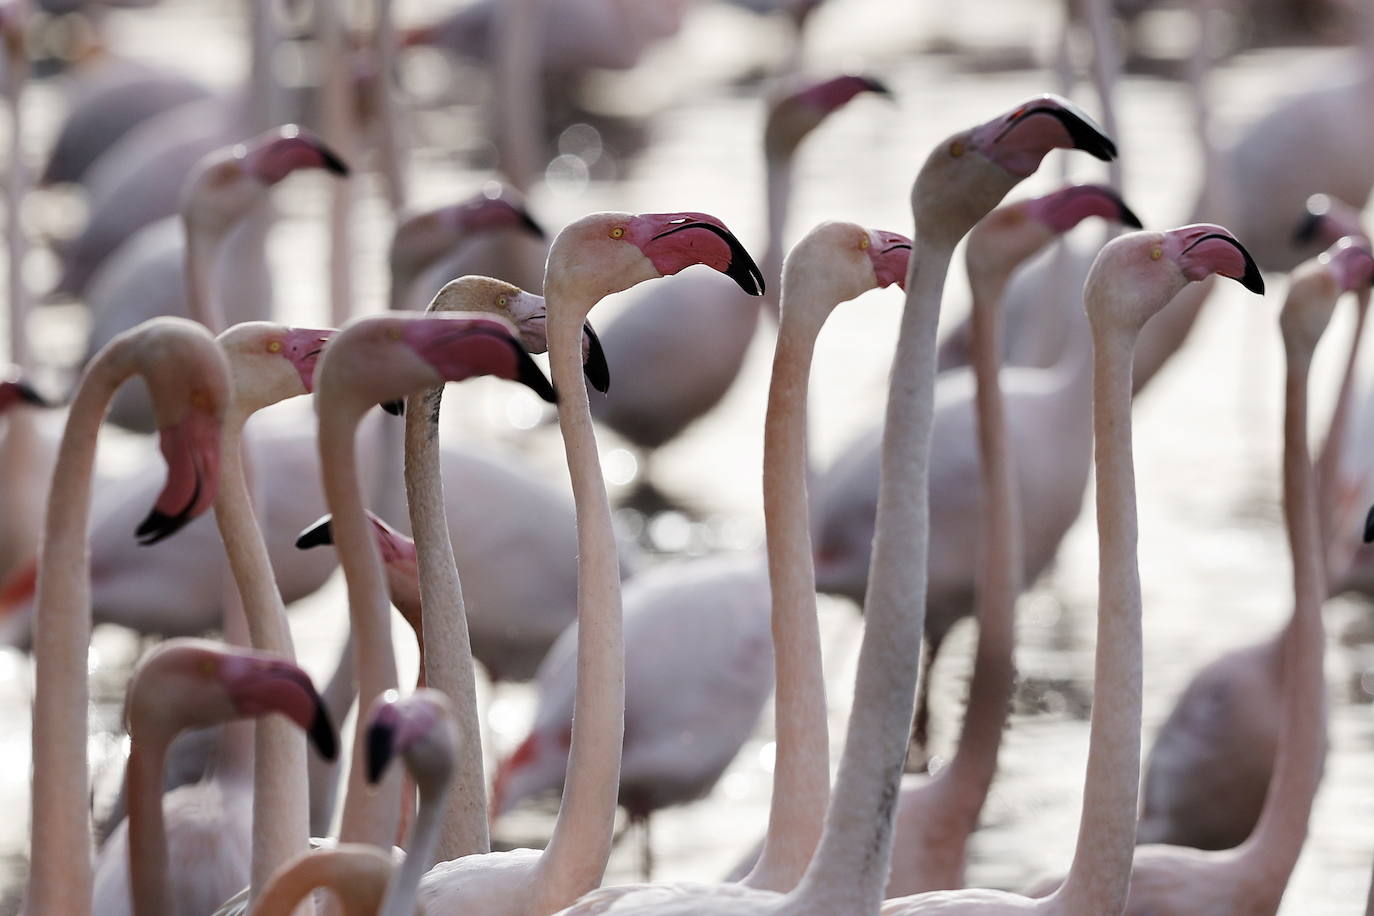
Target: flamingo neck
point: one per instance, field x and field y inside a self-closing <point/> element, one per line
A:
<point x="391" y="148"/>
<point x="446" y="651"/>
<point x="518" y="105"/>
<point x="1000" y="563"/>
<point x="17" y="187"/>
<point x="1273" y="847"/>
<point x="575" y="859"/>
<point x="60" y="835"/>
<point x="849" y="871"/>
<point x="338" y="696"/>
<point x="801" y="777"/>
<point x="1329" y="460"/>
<point x="203" y="247"/>
<point x="370" y="813"/>
<point x="281" y="792"/>
<point x="404" y="887"/>
<point x="341" y="132"/>
<point x="778" y="173"/>
<point x="148" y="885"/>
<point x="356" y="874"/>
<point x="1099" y="878"/>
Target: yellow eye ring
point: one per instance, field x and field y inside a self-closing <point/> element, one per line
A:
<point x="199" y="400"/>
<point x="956" y="149"/>
<point x="1156" y="254"/>
<point x="618" y="232"/>
<point x="393" y="334"/>
<point x="274" y="346"/>
<point x="864" y="243"/>
<point x="208" y="667"/>
<point x="502" y="301"/>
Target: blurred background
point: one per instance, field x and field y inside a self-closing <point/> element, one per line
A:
<point x="659" y="105"/>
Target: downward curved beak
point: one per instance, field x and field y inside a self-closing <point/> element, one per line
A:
<point x="191" y="450"/>
<point x="680" y="240"/>
<point x="320" y="534"/>
<point x="891" y="255"/>
<point x="304" y="346"/>
<point x="528" y="373"/>
<point x="278" y="686"/>
<point x="1019" y="140"/>
<point x="290" y="150"/>
<point x="1369" y="526"/>
<point x="1205" y="249"/>
<point x="381" y="744"/>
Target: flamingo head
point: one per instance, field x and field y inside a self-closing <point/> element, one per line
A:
<point x="229" y="182"/>
<point x="1328" y="220"/>
<point x="970" y="173"/>
<point x="1136" y="275"/>
<point x="398" y="560"/>
<point x="190" y="683"/>
<point x="190" y="385"/>
<point x="1016" y="232"/>
<point x="836" y="262"/>
<point x="423" y="238"/>
<point x="606" y="253"/>
<point x="381" y="359"/>
<point x="1314" y="288"/>
<point x="795" y="114"/>
<point x="15" y="391"/>
<point x="272" y="362"/>
<point x="420" y="729"/>
<point x="524" y="310"/>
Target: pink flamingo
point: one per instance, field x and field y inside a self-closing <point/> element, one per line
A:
<point x="190" y="382"/>
<point x="1209" y="774"/>
<point x="962" y="180"/>
<point x="375" y="360"/>
<point x="186" y="684"/>
<point x="591" y="258"/>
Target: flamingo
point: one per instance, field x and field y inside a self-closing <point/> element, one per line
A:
<point x="961" y="181"/>
<point x="591" y="258"/>
<point x="190" y="384"/>
<point x="1208" y="775"/>
<point x="224" y="189"/>
<point x="421" y="730"/>
<point x="1044" y="406"/>
<point x="375" y="360"/>
<point x="679" y="348"/>
<point x="194" y="684"/>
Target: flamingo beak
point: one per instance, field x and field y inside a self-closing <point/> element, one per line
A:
<point x="528" y="374"/>
<point x="303" y="348"/>
<point x="594" y="364"/>
<point x="1352" y="263"/>
<point x="1369" y="526"/>
<point x="1066" y="208"/>
<point x="259" y="686"/>
<point x="1204" y="249"/>
<point x="675" y="245"/>
<point x="381" y="743"/>
<point x="1019" y="140"/>
<point x="191" y="450"/>
<point x="319" y="534"/>
<point x="891" y="255"/>
<point x="18" y="391"/>
<point x="290" y="149"/>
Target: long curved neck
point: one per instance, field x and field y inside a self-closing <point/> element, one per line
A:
<point x="1328" y="465"/>
<point x="281" y="810"/>
<point x="519" y="104"/>
<point x="801" y="777"/>
<point x="778" y="171"/>
<point x="849" y="870"/>
<point x="341" y="133"/>
<point x="1273" y="846"/>
<point x="338" y="697"/>
<point x="370" y="813"/>
<point x="1100" y="875"/>
<point x="202" y="257"/>
<point x="17" y="187"/>
<point x="999" y="562"/>
<point x="60" y="836"/>
<point x="355" y="874"/>
<point x="392" y="152"/>
<point x="404" y="887"/>
<point x="147" y="832"/>
<point x="575" y="859"/>
<point x="445" y="648"/>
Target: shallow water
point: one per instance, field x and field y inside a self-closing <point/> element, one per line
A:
<point x="1212" y="554"/>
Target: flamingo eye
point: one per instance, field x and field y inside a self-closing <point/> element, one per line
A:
<point x="618" y="232"/>
<point x="502" y="301"/>
<point x="864" y="243"/>
<point x="207" y="667"/>
<point x="1156" y="253"/>
<point x="956" y="149"/>
<point x="274" y="346"/>
<point x="200" y="400"/>
<point x="393" y="334"/>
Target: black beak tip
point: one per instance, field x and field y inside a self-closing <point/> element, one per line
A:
<point x="529" y="375"/>
<point x="1251" y="279"/>
<point x="332" y="162"/>
<point x="528" y="223"/>
<point x="379" y="751"/>
<point x="877" y="86"/>
<point x="1306" y="233"/>
<point x="159" y="526"/>
<point x="597" y="370"/>
<point x="319" y="534"/>
<point x="1369" y="526"/>
<point x="1083" y="131"/>
<point x="1127" y="216"/>
<point x="395" y="408"/>
<point x="322" y="733"/>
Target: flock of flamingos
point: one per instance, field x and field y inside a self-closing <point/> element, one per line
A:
<point x="948" y="509"/>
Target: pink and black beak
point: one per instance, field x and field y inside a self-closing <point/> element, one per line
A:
<point x="289" y="149"/>
<point x="1203" y="249"/>
<point x="1066" y="208"/>
<point x="318" y="534"/>
<point x="191" y="450"/>
<point x="461" y="348"/>
<point x="394" y="545"/>
<point x="890" y="253"/>
<point x="1084" y="133"/>
<point x="260" y="686"/>
<point x="16" y="391"/>
<point x="1020" y="139"/>
<point x="678" y="240"/>
<point x="303" y="348"/>
<point x="528" y="373"/>
<point x="596" y="369"/>
<point x="381" y="742"/>
<point x="1369" y="526"/>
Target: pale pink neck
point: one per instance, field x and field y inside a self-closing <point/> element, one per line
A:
<point x="778" y="171"/>
<point x="202" y="257"/>
<point x="849" y="871"/>
<point x="148" y="885"/>
<point x="388" y="131"/>
<point x="1329" y="460"/>
<point x="575" y="859"/>
<point x="1273" y="847"/>
<point x="17" y="186"/>
<point x="370" y="813"/>
<point x="281" y="810"/>
<point x="1100" y="875"/>
<point x="357" y="876"/>
<point x="404" y="886"/>
<point x="340" y="132"/>
<point x="1000" y="565"/>
<point x="518" y="104"/>
<point x="60" y="836"/>
<point x="801" y="776"/>
<point x="445" y="648"/>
